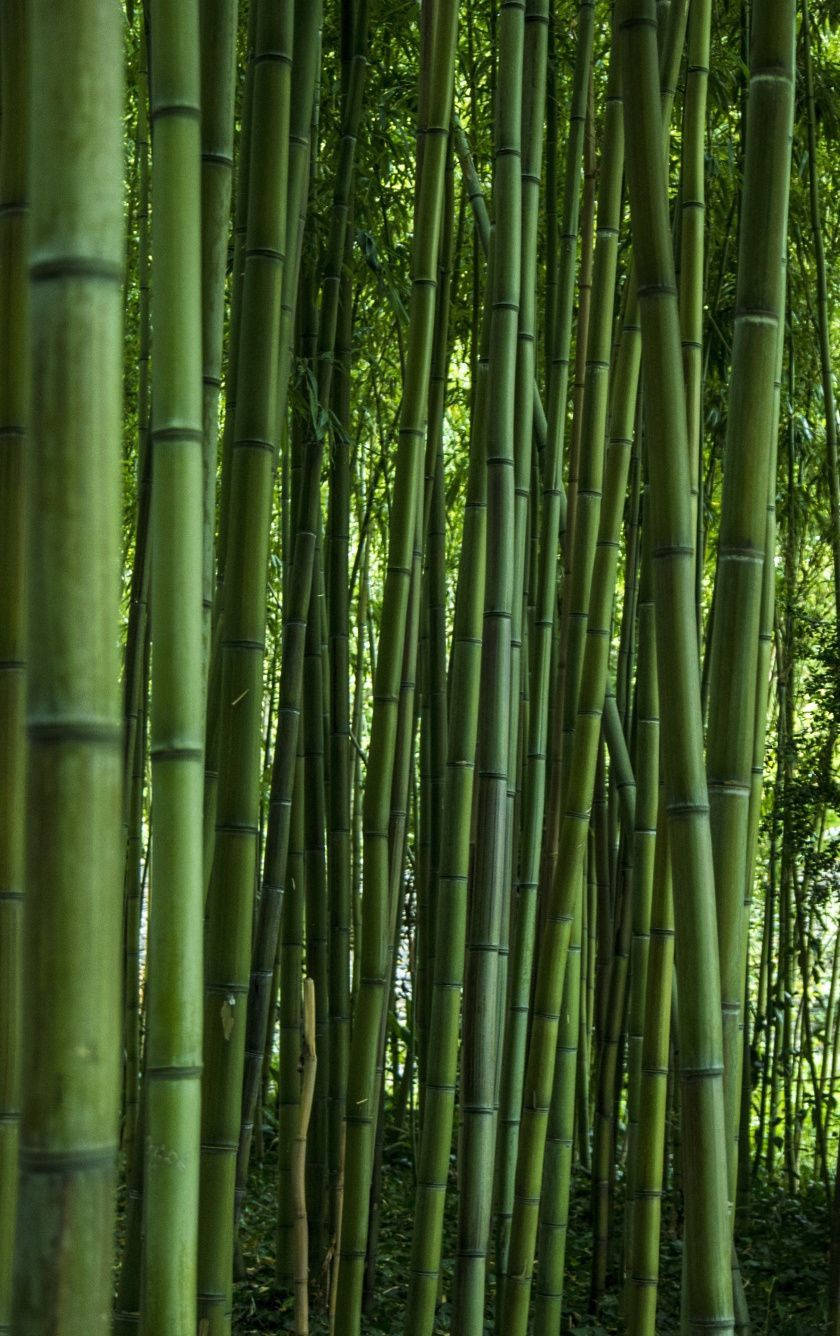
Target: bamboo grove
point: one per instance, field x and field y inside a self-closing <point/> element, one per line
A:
<point x="419" y="663"/>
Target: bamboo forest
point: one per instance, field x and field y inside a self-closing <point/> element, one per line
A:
<point x="419" y="667"/>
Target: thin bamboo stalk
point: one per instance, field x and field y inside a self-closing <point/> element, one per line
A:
<point x="646" y="1201"/>
<point x="309" y="1069"/>
<point x="218" y="26"/>
<point x="173" y="1033"/>
<point x="230" y="901"/>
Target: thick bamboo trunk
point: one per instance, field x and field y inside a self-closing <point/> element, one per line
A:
<point x="72" y="1017"/>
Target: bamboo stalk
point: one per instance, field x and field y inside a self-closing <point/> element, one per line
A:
<point x="72" y="1017"/>
<point x="708" y="1278"/>
<point x="173" y="1038"/>
<point x="13" y="414"/>
<point x="309" y="1066"/>
<point x="230" y="900"/>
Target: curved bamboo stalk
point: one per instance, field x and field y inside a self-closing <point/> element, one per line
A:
<point x="317" y="918"/>
<point x="309" y="1069"/>
<point x="647" y="776"/>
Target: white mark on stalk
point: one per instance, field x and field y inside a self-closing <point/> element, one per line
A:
<point x="227" y="1015"/>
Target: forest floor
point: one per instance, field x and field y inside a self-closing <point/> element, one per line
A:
<point x="783" y="1249"/>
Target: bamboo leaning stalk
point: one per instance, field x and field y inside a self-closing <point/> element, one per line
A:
<point x="708" y="1279"/>
<point x="135" y="676"/>
<point x="362" y="1095"/>
<point x="340" y="751"/>
<point x="71" y="1036"/>
<point x="230" y="901"/>
<point x="137" y="631"/>
<point x="173" y="1008"/>
<point x="749" y="453"/>
<point x="487" y="905"/>
<point x="13" y="413"/>
<point x="647" y="776"/>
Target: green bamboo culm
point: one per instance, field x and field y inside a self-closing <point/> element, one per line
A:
<point x="692" y="231"/>
<point x="218" y="26"/>
<point x="230" y="899"/>
<point x="72" y="1032"/>
<point x="362" y="1095"/>
<point x="135" y="676"/>
<point x="13" y="411"/>
<point x="487" y="904"/>
<point x="708" y="1296"/>
<point x="749" y="455"/>
<point x="646" y="1203"/>
<point x="174" y="1014"/>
